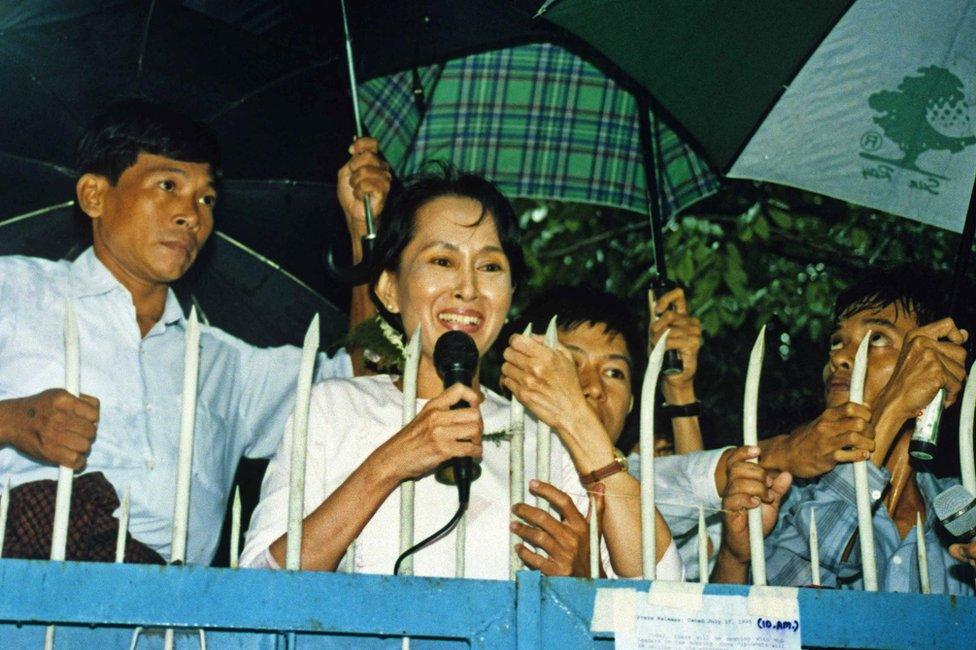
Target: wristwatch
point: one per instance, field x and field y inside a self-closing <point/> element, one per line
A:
<point x="682" y="410"/>
<point x="619" y="464"/>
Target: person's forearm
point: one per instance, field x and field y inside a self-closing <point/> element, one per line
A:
<point x="621" y="526"/>
<point x="729" y="570"/>
<point x="687" y="435"/>
<point x="687" y="430"/>
<point x="14" y="420"/>
<point x="888" y="423"/>
<point x="586" y="440"/>
<point x="361" y="307"/>
<point x="721" y="471"/>
<point x="329" y="530"/>
<point x="774" y="454"/>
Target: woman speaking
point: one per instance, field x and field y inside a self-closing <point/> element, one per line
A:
<point x="448" y="258"/>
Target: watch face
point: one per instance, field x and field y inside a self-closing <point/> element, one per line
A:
<point x="619" y="455"/>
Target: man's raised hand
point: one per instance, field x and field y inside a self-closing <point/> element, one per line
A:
<point x="748" y="486"/>
<point x="544" y="379"/>
<point x="53" y="426"/>
<point x="932" y="357"/>
<point x="671" y="311"/>
<point x="365" y="174"/>
<point x="841" y="434"/>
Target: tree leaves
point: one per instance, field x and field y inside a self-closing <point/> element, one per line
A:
<point x="753" y="254"/>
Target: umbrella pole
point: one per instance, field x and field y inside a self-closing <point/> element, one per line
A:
<point x="963" y="254"/>
<point x="661" y="285"/>
<point x="359" y="273"/>
<point x="651" y="180"/>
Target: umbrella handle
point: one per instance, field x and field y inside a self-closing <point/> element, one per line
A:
<point x="358" y="274"/>
<point x="354" y="275"/>
<point x="370" y="223"/>
<point x="672" y="364"/>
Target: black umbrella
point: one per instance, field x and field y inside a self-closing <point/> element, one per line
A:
<point x="282" y="119"/>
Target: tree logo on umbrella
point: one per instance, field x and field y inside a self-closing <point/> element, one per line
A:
<point x="928" y="112"/>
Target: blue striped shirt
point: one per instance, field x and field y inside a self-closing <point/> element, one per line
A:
<point x="832" y="497"/>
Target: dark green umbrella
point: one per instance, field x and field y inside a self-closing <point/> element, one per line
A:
<point x="869" y="101"/>
<point x="715" y="66"/>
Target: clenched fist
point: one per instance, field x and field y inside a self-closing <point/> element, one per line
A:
<point x="53" y="426"/>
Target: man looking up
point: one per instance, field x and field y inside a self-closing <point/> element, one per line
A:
<point x="913" y="353"/>
<point x="149" y="183"/>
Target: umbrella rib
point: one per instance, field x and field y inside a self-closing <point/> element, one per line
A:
<point x="724" y="169"/>
<point x="544" y="8"/>
<point x="36" y="213"/>
<point x="142" y="46"/>
<point x="412" y="144"/>
<point x="65" y="106"/>
<point x="59" y="168"/>
<point x="269" y="262"/>
<point x="260" y="89"/>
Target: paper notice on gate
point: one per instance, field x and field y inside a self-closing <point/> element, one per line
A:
<point x="722" y="622"/>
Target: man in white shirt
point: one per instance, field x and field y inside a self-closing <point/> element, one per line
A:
<point x="149" y="182"/>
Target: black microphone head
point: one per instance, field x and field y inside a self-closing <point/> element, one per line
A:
<point x="956" y="509"/>
<point x="456" y="354"/>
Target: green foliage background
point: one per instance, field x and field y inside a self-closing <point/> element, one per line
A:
<point x="751" y="254"/>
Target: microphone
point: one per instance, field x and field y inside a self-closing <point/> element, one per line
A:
<point x="956" y="509"/>
<point x="456" y="361"/>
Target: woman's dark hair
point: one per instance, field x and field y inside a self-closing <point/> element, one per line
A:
<point x="398" y="223"/>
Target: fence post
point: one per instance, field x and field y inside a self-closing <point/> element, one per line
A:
<point x="528" y="610"/>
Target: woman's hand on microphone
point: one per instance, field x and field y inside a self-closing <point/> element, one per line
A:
<point x="436" y="434"/>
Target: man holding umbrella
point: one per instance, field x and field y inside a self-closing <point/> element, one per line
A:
<point x="149" y="182"/>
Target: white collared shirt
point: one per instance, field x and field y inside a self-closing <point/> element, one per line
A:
<point x="348" y="419"/>
<point x="245" y="393"/>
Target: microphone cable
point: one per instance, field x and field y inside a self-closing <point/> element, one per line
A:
<point x="436" y="537"/>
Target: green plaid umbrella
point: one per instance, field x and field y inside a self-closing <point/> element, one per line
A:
<point x="540" y="122"/>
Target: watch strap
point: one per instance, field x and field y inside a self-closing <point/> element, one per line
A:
<point x="597" y="475"/>
<point x="682" y="410"/>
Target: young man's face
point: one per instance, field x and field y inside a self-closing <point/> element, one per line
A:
<point x="604" y="367"/>
<point x="149" y="227"/>
<point x="888" y="329"/>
